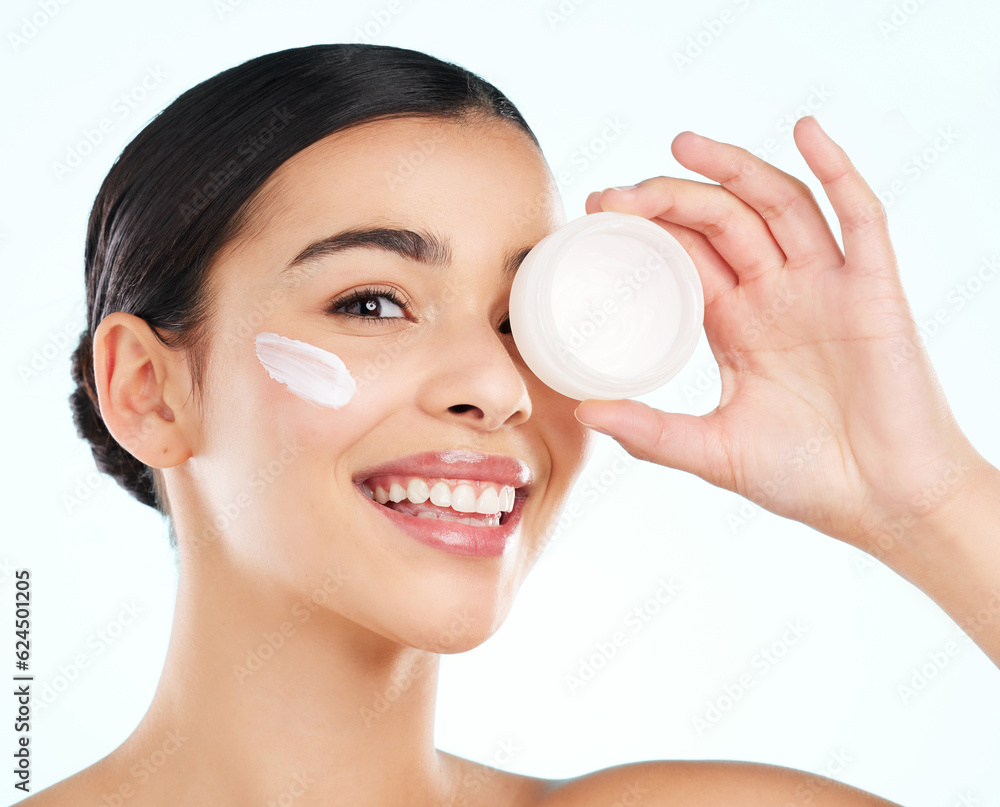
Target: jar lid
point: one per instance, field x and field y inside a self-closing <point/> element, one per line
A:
<point x="608" y="306"/>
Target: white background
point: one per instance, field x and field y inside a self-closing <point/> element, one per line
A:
<point x="884" y="79"/>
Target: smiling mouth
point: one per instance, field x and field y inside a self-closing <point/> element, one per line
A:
<point x="475" y="503"/>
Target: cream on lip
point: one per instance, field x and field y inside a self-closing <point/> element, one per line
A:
<point x="314" y="374"/>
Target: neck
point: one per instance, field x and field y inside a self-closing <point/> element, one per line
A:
<point x="264" y="695"/>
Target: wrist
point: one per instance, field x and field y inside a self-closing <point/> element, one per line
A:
<point x="947" y="521"/>
<point x="951" y="550"/>
<point x="916" y="521"/>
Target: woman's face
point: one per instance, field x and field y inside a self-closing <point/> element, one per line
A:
<point x="276" y="481"/>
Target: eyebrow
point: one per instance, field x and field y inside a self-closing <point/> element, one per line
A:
<point x="419" y="246"/>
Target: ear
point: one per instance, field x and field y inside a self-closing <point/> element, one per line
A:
<point x="142" y="387"/>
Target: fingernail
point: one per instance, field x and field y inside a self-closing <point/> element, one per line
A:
<point x="593" y="426"/>
<point x="623" y="188"/>
<point x="816" y="121"/>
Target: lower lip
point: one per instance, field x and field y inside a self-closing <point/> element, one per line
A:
<point x="450" y="536"/>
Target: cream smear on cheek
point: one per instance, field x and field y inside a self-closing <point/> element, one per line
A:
<point x="314" y="374"/>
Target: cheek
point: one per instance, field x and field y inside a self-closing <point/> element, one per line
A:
<point x="269" y="392"/>
<point x="310" y="372"/>
<point x="327" y="398"/>
<point x="569" y="441"/>
<point x="304" y="393"/>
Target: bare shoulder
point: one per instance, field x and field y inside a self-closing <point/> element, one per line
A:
<point x="103" y="782"/>
<point x="704" y="783"/>
<point x="81" y="788"/>
<point x="478" y="785"/>
<point x="693" y="783"/>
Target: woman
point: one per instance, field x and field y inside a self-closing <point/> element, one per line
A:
<point x="358" y="212"/>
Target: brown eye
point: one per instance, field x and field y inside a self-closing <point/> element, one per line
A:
<point x="364" y="304"/>
<point x="369" y="308"/>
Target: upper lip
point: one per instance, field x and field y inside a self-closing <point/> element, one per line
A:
<point x="456" y="464"/>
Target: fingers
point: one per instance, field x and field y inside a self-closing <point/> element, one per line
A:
<point x="717" y="277"/>
<point x="734" y="230"/>
<point x="784" y="204"/>
<point x="758" y="218"/>
<point x="863" y="225"/>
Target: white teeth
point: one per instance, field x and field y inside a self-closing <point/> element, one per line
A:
<point x="417" y="491"/>
<point x="478" y="521"/>
<point x="463" y="499"/>
<point x="488" y="503"/>
<point x="441" y="495"/>
<point x="491" y="502"/>
<point x="485" y="521"/>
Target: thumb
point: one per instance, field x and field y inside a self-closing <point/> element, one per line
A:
<point x="676" y="441"/>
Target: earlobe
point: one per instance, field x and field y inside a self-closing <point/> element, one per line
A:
<point x="136" y="376"/>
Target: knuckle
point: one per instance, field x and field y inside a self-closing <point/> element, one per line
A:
<point x="657" y="182"/>
<point x="745" y="167"/>
<point x="779" y="207"/>
<point x="715" y="228"/>
<point x="798" y="192"/>
<point x="870" y="213"/>
<point x="661" y="187"/>
<point x="801" y="188"/>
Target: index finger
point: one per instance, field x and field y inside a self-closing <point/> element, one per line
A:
<point x="783" y="201"/>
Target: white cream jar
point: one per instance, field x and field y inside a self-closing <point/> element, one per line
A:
<point x="608" y="306"/>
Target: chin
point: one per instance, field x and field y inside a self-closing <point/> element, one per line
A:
<point x="457" y="625"/>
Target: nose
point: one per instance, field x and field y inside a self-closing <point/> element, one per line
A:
<point x="476" y="377"/>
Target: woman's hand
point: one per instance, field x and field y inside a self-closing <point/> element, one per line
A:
<point x="831" y="413"/>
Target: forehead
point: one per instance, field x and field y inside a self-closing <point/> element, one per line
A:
<point x="435" y="171"/>
<point x="481" y="187"/>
